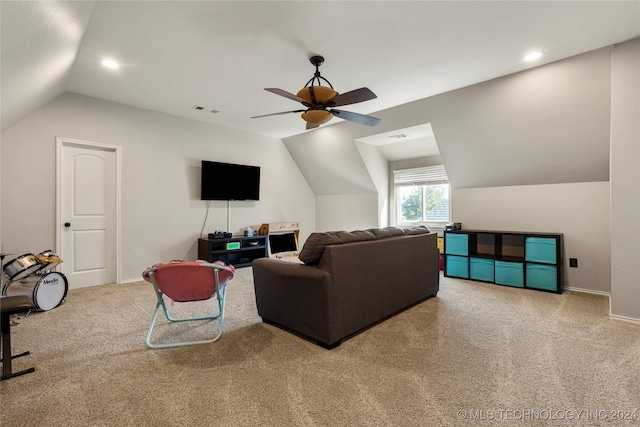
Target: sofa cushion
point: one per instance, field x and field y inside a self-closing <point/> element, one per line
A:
<point x="383" y="233"/>
<point x="314" y="245"/>
<point x="416" y="230"/>
<point x="354" y="236"/>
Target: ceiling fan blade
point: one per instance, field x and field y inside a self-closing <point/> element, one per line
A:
<point x="286" y="94"/>
<point x="277" y="114"/>
<point x="351" y="97"/>
<point x="355" y="117"/>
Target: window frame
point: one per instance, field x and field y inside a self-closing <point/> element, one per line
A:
<point x="420" y="177"/>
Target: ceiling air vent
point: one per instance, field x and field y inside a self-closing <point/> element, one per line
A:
<point x="201" y="108"/>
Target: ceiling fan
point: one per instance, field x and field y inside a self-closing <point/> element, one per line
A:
<point x="319" y="101"/>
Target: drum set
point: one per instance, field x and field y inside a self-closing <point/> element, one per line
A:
<point x="33" y="276"/>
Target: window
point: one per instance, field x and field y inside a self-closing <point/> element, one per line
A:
<point x="422" y="195"/>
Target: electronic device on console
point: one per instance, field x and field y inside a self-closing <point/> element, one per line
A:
<point x="219" y="235"/>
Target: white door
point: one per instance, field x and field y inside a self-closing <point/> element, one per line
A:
<point x="87" y="212"/>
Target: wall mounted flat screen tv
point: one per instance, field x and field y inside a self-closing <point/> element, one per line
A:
<point x="228" y="181"/>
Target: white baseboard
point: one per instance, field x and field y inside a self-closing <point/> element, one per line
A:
<point x="607" y="294"/>
<point x="588" y="291"/>
<point x="624" y="318"/>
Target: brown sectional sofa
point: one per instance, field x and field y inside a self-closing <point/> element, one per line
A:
<point x="350" y="281"/>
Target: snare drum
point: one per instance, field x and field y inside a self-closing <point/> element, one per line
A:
<point x="48" y="259"/>
<point x="46" y="291"/>
<point x="22" y="267"/>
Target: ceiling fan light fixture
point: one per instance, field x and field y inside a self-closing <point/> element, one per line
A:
<point x="320" y="101"/>
<point x="321" y="93"/>
<point x="316" y="117"/>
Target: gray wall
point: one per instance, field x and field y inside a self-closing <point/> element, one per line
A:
<point x="161" y="212"/>
<point x="625" y="181"/>
<point x="578" y="210"/>
<point x="546" y="125"/>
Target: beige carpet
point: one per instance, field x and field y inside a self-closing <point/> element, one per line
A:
<point x="477" y="354"/>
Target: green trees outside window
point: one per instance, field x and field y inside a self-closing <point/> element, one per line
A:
<point x="424" y="203"/>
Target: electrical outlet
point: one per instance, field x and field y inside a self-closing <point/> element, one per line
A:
<point x="573" y="262"/>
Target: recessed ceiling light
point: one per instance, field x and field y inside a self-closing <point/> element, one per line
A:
<point x="110" y="63"/>
<point x="533" y="56"/>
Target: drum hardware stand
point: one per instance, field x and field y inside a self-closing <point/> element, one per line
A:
<point x="8" y="306"/>
<point x="2" y="256"/>
<point x="16" y="317"/>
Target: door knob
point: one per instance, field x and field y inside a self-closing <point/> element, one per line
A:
<point x="67" y="224"/>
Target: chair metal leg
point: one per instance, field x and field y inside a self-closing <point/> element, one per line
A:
<point x="220" y="296"/>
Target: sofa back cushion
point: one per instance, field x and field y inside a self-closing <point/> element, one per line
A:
<point x="314" y="246"/>
<point x="416" y="230"/>
<point x="383" y="233"/>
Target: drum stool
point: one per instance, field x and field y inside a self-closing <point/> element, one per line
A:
<point x="8" y="306"/>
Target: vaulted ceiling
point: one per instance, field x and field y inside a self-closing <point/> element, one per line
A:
<point x="432" y="64"/>
<point x="220" y="55"/>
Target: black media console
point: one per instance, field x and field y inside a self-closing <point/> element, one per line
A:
<point x="237" y="251"/>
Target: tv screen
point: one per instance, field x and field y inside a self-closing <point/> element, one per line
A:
<point x="227" y="181"/>
<point x="282" y="242"/>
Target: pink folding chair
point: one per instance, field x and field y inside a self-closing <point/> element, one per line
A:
<point x="189" y="281"/>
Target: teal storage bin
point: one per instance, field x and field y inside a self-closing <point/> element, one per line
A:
<point x="542" y="277"/>
<point x="509" y="273"/>
<point x="457" y="266"/>
<point x="481" y="269"/>
<point x="456" y="244"/>
<point x="540" y="249"/>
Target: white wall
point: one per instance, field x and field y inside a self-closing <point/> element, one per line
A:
<point x="339" y="177"/>
<point x="161" y="212"/>
<point x="625" y="181"/>
<point x="347" y="212"/>
<point x="580" y="211"/>
<point x="378" y="168"/>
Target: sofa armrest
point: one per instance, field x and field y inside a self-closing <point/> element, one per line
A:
<point x="295" y="296"/>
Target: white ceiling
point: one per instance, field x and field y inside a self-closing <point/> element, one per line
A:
<point x="221" y="55"/>
<point x="406" y="143"/>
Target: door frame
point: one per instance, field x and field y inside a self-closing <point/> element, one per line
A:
<point x="62" y="142"/>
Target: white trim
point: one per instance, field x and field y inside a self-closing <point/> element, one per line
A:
<point x="588" y="291"/>
<point x="60" y="143"/>
<point x="608" y="295"/>
<point x="418" y="177"/>
<point x="624" y="318"/>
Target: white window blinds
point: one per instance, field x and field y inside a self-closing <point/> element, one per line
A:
<point x="430" y="175"/>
